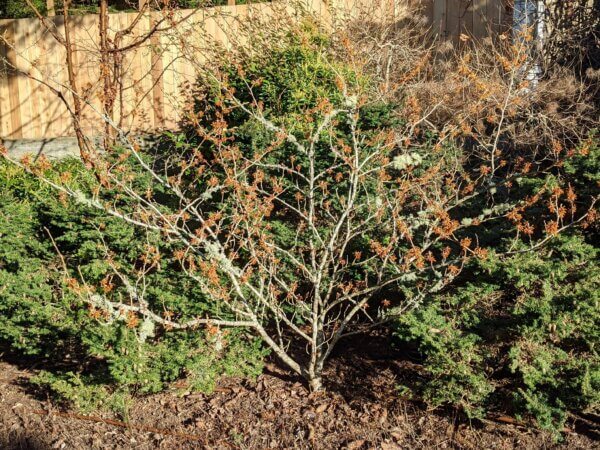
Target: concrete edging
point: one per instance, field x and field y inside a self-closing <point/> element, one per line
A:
<point x="55" y="148"/>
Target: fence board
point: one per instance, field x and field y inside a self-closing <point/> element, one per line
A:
<point x="466" y="17"/>
<point x="479" y="18"/>
<point x="439" y="18"/>
<point x="5" y="127"/>
<point x="453" y="13"/>
<point x="494" y="15"/>
<point x="14" y="100"/>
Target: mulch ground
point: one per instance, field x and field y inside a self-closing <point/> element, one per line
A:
<point x="360" y="410"/>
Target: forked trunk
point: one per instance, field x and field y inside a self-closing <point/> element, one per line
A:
<point x="316" y="384"/>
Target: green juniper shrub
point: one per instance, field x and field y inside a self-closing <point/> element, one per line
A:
<point x="44" y="316"/>
<point x="523" y="329"/>
<point x="18" y="9"/>
<point x="85" y="392"/>
<point x="453" y="358"/>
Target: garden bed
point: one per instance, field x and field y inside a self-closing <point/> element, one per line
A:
<point x="360" y="410"/>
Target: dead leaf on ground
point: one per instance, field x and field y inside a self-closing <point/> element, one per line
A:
<point x="390" y="446"/>
<point x="321" y="408"/>
<point x="355" y="445"/>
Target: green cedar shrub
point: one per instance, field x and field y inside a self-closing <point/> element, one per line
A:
<point x="104" y="360"/>
<point x="525" y="328"/>
<point x="18" y="9"/>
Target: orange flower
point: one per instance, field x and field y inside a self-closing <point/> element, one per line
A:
<point x="454" y="270"/>
<point x="571" y="195"/>
<point x="526" y="228"/>
<point x="481" y="253"/>
<point x="212" y="330"/>
<point x="95" y="313"/>
<point x="132" y="320"/>
<point x="446" y="252"/>
<point x="430" y="258"/>
<point x="551" y="228"/>
<point x="562" y="211"/>
<point x="514" y="215"/>
<point x="106" y="284"/>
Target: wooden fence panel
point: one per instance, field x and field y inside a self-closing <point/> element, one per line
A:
<point x="439" y="17"/>
<point x="157" y="74"/>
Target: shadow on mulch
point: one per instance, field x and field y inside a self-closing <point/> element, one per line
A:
<point x="361" y="409"/>
<point x="27" y="442"/>
<point x="357" y="365"/>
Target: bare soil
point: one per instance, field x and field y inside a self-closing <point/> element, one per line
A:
<point x="361" y="409"/>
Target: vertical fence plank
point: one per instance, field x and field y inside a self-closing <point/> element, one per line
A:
<point x="453" y="13"/>
<point x="125" y="98"/>
<point x="479" y="18"/>
<point x="427" y="7"/>
<point x="28" y="101"/>
<point x="494" y="15"/>
<point x="41" y="71"/>
<point x="5" y="127"/>
<point x="145" y="88"/>
<point x="63" y="123"/>
<point x="34" y="89"/>
<point x="157" y="78"/>
<point x="137" y="94"/>
<point x="84" y="30"/>
<point x="23" y="96"/>
<point x="55" y="74"/>
<point x="439" y="17"/>
<point x="507" y="15"/>
<point x="466" y="17"/>
<point x="168" y="78"/>
<point x="13" y="83"/>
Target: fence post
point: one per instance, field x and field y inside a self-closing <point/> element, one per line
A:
<point x="230" y="2"/>
<point x="50" y="8"/>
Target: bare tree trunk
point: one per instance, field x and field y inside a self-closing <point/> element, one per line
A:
<point x="105" y="75"/>
<point x="50" y="8"/>
<point x="77" y="108"/>
<point x="316" y="384"/>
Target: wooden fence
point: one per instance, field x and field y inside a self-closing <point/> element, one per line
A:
<point x="451" y="18"/>
<point x="156" y="74"/>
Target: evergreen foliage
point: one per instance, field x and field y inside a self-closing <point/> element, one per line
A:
<point x="522" y="329"/>
<point x="97" y="359"/>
